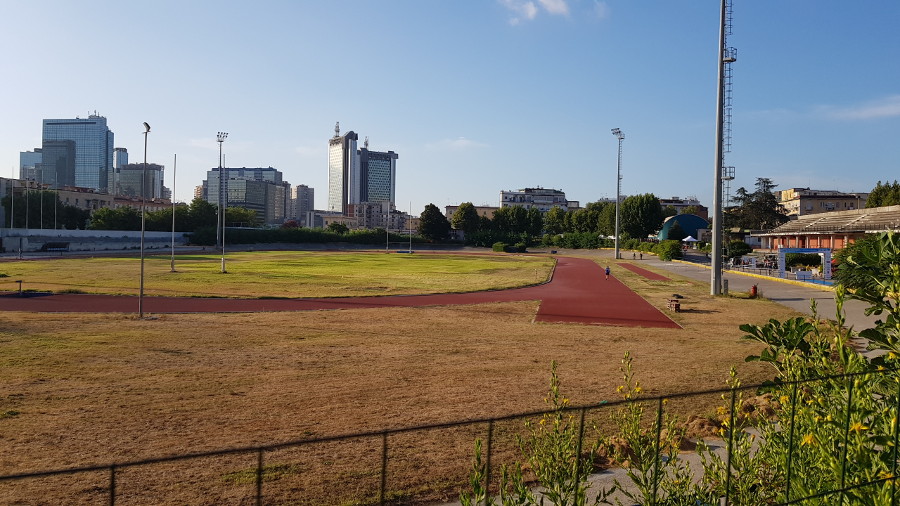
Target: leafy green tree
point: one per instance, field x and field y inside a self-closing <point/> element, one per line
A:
<point x="884" y="195"/>
<point x="640" y="215"/>
<point x="607" y="221"/>
<point x="433" y="224"/>
<point x="202" y="214"/>
<point x="466" y="218"/>
<point x="759" y="210"/>
<point x="555" y="221"/>
<point x="241" y="217"/>
<point x="676" y="233"/>
<point x="43" y="209"/>
<point x="669" y="211"/>
<point x="123" y="218"/>
<point x="738" y="249"/>
<point x="337" y="228"/>
<point x="534" y="222"/>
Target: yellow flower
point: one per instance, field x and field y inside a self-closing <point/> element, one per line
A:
<point x="884" y="475"/>
<point x="638" y="390"/>
<point x="784" y="399"/>
<point x="807" y="440"/>
<point x="858" y="427"/>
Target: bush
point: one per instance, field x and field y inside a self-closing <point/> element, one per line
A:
<point x="499" y="247"/>
<point x="668" y="250"/>
<point x="802" y="259"/>
<point x="520" y="247"/>
<point x="738" y="249"/>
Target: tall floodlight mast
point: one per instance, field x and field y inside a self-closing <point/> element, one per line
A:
<point x="726" y="56"/>
<point x="621" y="137"/>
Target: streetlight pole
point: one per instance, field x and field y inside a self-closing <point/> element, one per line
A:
<point x="174" y="170"/>
<point x="715" y="282"/>
<point x="621" y="136"/>
<point x="143" y="221"/>
<point x="223" y="197"/>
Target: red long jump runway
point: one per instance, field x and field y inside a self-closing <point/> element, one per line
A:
<point x="652" y="276"/>
<point x="577" y="293"/>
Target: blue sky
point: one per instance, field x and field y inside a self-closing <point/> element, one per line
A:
<point x="476" y="96"/>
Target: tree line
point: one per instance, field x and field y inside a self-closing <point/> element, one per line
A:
<point x="639" y="217"/>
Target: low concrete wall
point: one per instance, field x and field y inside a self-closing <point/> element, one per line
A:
<point x="32" y="240"/>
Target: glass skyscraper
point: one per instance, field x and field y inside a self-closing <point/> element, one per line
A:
<point x="343" y="171"/>
<point x="93" y="149"/>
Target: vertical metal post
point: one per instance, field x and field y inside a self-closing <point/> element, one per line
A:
<point x="575" y="483"/>
<point x="112" y="485"/>
<point x="174" y="170"/>
<point x="143" y="221"/>
<point x="620" y="136"/>
<point x="656" y="456"/>
<point x="787" y="492"/>
<point x="730" y="447"/>
<point x="894" y="456"/>
<point x="487" y="466"/>
<point x="259" y="476"/>
<point x="846" y="438"/>
<point x="223" y="195"/>
<point x="716" y="253"/>
<point x="384" y="450"/>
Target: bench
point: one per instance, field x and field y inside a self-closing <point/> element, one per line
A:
<point x="674" y="305"/>
<point x="55" y="246"/>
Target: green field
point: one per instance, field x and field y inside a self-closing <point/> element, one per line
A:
<point x="280" y="274"/>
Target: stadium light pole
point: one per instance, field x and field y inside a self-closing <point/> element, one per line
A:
<point x="621" y="137"/>
<point x="223" y="198"/>
<point x="174" y="171"/>
<point x="143" y="221"/>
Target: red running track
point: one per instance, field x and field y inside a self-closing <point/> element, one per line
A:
<point x="644" y="272"/>
<point x="577" y="293"/>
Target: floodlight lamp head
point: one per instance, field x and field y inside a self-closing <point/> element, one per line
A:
<point x="618" y="133"/>
<point x="221" y="136"/>
<point x="146" y="127"/>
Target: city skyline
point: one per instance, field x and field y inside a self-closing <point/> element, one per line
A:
<point x="479" y="97"/>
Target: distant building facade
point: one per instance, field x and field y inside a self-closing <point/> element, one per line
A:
<point x="483" y="211"/>
<point x="804" y="201"/>
<point x="682" y="205"/>
<point x="359" y="176"/>
<point x="93" y="147"/>
<point x="543" y="199"/>
<point x="302" y="202"/>
<point x="129" y="181"/>
<point x="259" y="189"/>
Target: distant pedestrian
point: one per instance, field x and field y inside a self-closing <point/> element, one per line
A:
<point x="632" y="255"/>
<point x="607" y="272"/>
<point x="642" y="255"/>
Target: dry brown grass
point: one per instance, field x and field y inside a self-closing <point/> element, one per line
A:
<point x="93" y="389"/>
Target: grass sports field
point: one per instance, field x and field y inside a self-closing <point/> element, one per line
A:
<point x="94" y="388"/>
<point x="281" y="274"/>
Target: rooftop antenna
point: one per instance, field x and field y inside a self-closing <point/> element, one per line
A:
<point x="366" y="142"/>
<point x="337" y="129"/>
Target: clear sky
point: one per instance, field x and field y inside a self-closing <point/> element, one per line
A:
<point x="476" y="96"/>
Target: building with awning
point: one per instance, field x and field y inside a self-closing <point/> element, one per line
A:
<point x="834" y="230"/>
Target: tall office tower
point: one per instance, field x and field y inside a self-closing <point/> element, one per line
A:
<point x="30" y="163"/>
<point x="343" y="170"/>
<point x="129" y="180"/>
<point x="378" y="175"/>
<point x="120" y="158"/>
<point x="302" y="202"/>
<point x="259" y="189"/>
<point x="93" y="143"/>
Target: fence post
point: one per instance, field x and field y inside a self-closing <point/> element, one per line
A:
<point x="487" y="466"/>
<point x="656" y="456"/>
<point x="894" y="456"/>
<point x="846" y="438"/>
<point x="384" y="449"/>
<point x="112" y="485"/>
<point x="730" y="447"/>
<point x="787" y="493"/>
<point x="259" y="476"/>
<point x="576" y="483"/>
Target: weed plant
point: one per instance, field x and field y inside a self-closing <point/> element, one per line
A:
<point x="830" y="434"/>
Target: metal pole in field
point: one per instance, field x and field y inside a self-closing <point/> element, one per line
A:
<point x="223" y="197"/>
<point x="174" y="170"/>
<point x="621" y="136"/>
<point x="724" y="58"/>
<point x="143" y="222"/>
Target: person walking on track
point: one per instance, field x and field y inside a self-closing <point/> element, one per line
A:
<point x="607" y="272"/>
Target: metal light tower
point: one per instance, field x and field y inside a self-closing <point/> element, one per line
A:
<point x="726" y="58"/>
<point x="174" y="170"/>
<point x="223" y="198"/>
<point x="619" y="135"/>
<point x="143" y="221"/>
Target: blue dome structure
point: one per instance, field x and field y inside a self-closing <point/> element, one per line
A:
<point x="690" y="223"/>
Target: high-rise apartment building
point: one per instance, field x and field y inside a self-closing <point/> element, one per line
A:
<point x="358" y="176"/>
<point x="378" y="175"/>
<point x="93" y="146"/>
<point x="302" y="202"/>
<point x="343" y="170"/>
<point x="259" y="189"/>
<point x="128" y="180"/>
